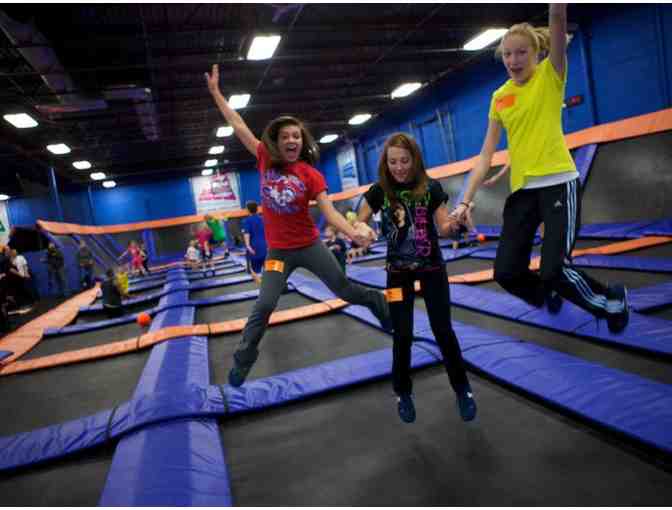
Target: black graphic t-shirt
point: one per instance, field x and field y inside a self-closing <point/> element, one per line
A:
<point x="412" y="240"/>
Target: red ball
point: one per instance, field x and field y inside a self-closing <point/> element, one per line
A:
<point x="481" y="238"/>
<point x="144" y="319"/>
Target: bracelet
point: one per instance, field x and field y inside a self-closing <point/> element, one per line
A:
<point x="465" y="204"/>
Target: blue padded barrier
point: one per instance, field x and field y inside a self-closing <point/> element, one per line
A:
<point x="583" y="159"/>
<point x="612" y="230"/>
<point x="5" y="354"/>
<point x="179" y="463"/>
<point x="658" y="228"/>
<point x="630" y="262"/>
<point x="651" y="298"/>
<point x="306" y="382"/>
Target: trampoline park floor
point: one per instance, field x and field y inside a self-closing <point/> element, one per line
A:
<point x="349" y="448"/>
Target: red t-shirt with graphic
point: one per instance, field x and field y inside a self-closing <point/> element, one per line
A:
<point x="285" y="196"/>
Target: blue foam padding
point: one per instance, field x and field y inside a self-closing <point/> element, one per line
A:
<point x="612" y="230"/>
<point x="372" y="276"/>
<point x="623" y="402"/>
<point x="583" y="159"/>
<point x="631" y="262"/>
<point x="179" y="462"/>
<point x="658" y="228"/>
<point x="228" y="298"/>
<point x="329" y="376"/>
<point x="5" y="354"/>
<point x="489" y="301"/>
<point x="650" y="298"/>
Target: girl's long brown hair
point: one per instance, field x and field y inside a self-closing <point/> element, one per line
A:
<point x="310" y="152"/>
<point x="419" y="175"/>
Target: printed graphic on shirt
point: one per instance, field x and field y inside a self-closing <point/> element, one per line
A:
<point x="406" y="225"/>
<point x="283" y="194"/>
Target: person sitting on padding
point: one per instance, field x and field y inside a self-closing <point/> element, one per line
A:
<point x="112" y="295"/>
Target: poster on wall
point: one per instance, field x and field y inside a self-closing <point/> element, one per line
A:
<point x="346" y="160"/>
<point x="4" y="223"/>
<point x="216" y="192"/>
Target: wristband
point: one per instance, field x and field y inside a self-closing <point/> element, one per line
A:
<point x="465" y="204"/>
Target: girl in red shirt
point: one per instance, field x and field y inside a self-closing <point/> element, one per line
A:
<point x="289" y="181"/>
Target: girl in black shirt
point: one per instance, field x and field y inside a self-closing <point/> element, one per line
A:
<point x="411" y="203"/>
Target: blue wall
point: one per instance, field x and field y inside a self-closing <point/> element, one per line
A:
<point x="620" y="62"/>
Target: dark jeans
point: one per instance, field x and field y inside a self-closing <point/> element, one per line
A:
<point x="559" y="208"/>
<point x="436" y="292"/>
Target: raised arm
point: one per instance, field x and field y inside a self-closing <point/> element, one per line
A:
<point x="557" y="22"/>
<point x="481" y="169"/>
<point x="243" y="132"/>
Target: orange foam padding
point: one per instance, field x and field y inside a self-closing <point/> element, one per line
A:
<point x="154" y="337"/>
<point x="27" y="336"/>
<point x="620" y="130"/>
<point x="609" y="249"/>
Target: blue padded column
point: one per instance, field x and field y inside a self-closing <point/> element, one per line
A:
<point x="174" y="463"/>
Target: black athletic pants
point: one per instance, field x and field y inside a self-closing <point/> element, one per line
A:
<point x="559" y="208"/>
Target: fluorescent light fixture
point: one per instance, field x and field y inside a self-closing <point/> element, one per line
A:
<point x="58" y="148"/>
<point x="238" y="101"/>
<point x="217" y="149"/>
<point x="405" y="89"/>
<point x="328" y="138"/>
<point x="20" y="120"/>
<point x="98" y="176"/>
<point x="485" y="38"/>
<point x="206" y="172"/>
<point x="3" y="197"/>
<point x="82" y="165"/>
<point x="360" y="118"/>
<point x="109" y="184"/>
<point x="263" y="47"/>
<point x="211" y="162"/>
<point x="224" y="131"/>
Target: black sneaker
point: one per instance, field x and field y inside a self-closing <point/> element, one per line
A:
<point x="406" y="408"/>
<point x="466" y="404"/>
<point x="617" y="321"/>
<point x="553" y="302"/>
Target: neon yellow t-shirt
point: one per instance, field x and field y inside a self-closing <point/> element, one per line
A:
<point x="532" y="117"/>
<point x="122" y="282"/>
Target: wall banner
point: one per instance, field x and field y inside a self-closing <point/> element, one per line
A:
<point x="346" y="159"/>
<point x="216" y="192"/>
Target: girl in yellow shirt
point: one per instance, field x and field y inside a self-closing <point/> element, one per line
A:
<point x="545" y="187"/>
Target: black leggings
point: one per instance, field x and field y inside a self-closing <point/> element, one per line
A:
<point x="436" y="292"/>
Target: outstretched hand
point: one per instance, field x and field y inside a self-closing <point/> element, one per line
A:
<point x="213" y="79"/>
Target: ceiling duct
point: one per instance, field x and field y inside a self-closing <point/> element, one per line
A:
<point x="37" y="51"/>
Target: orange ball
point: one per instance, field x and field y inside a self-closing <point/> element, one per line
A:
<point x="144" y="319"/>
<point x="481" y="238"/>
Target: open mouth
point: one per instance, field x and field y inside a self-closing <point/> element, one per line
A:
<point x="292" y="151"/>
